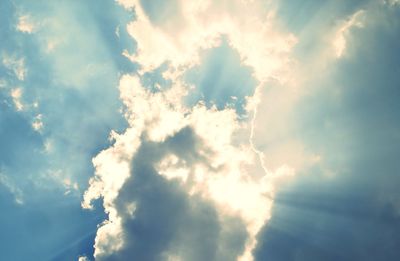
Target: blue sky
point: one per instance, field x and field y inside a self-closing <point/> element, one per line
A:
<point x="179" y="130"/>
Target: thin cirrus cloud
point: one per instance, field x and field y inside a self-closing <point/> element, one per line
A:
<point x="199" y="130"/>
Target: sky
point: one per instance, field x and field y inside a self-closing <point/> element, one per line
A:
<point x="183" y="130"/>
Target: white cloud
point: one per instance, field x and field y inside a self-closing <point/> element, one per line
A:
<point x="10" y="185"/>
<point x="16" y="95"/>
<point x="58" y="179"/>
<point x="83" y="258"/>
<point x="25" y="24"/>
<point x="223" y="173"/>
<point x="250" y="28"/>
<point x="128" y="4"/>
<point x="17" y="65"/>
<point x="239" y="164"/>
<point x="339" y="41"/>
<point x="37" y="123"/>
<point x="229" y="174"/>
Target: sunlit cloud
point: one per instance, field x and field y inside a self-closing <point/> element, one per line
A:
<point x="219" y="174"/>
<point x="340" y="39"/>
<point x="224" y="172"/>
<point x="199" y="130"/>
<point x="37" y="123"/>
<point x="25" y="24"/>
<point x="83" y="258"/>
<point x="16" y="95"/>
<point x="16" y="65"/>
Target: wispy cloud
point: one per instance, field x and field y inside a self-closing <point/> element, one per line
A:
<point x="16" y="95"/>
<point x="16" y="65"/>
<point x="12" y="188"/>
<point x="25" y="24"/>
<point x="339" y="41"/>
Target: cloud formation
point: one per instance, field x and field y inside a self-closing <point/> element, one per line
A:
<point x="8" y="184"/>
<point x="340" y="39"/>
<point x="15" y="65"/>
<point x="193" y="116"/>
<point x="223" y="168"/>
<point x="205" y="156"/>
<point x="25" y="25"/>
<point x="194" y="148"/>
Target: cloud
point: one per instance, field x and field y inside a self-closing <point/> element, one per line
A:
<point x="25" y="24"/>
<point x="175" y="161"/>
<point x="195" y="27"/>
<point x="348" y="118"/>
<point x="51" y="123"/>
<point x="59" y="103"/>
<point x="16" y="95"/>
<point x="37" y="123"/>
<point x="339" y="41"/>
<point x="9" y="184"/>
<point x="16" y="65"/>
<point x="83" y="258"/>
<point x="223" y="102"/>
<point x="196" y="147"/>
<point x="221" y="169"/>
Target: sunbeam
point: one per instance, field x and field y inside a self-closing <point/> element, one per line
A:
<point x="170" y="130"/>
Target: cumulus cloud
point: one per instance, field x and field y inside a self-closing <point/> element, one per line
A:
<point x="182" y="181"/>
<point x="175" y="162"/>
<point x="190" y="159"/>
<point x="195" y="147"/>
